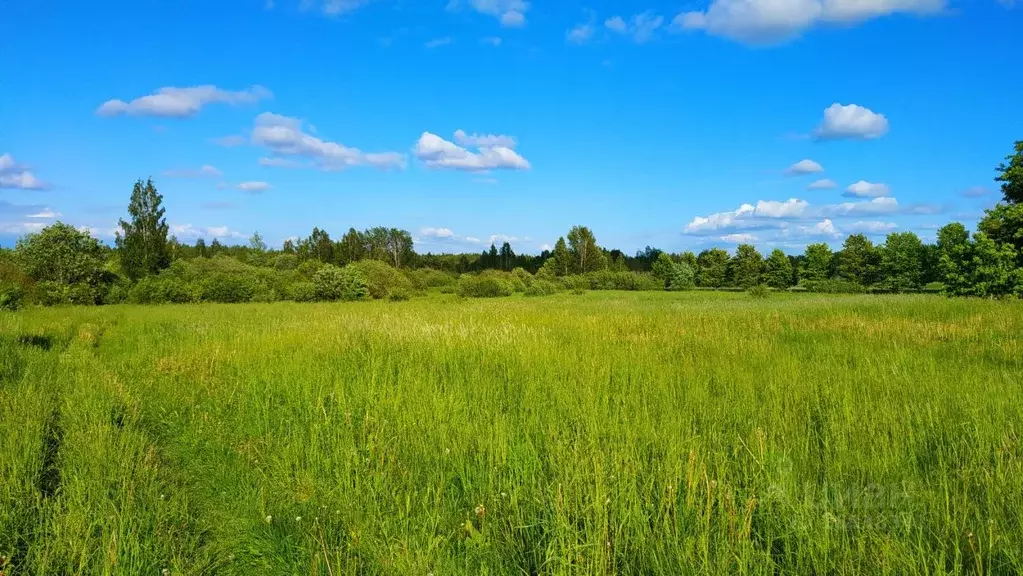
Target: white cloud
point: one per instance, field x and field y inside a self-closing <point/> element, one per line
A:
<point x="883" y="205"/>
<point x="171" y="102"/>
<point x="205" y="170"/>
<point x="719" y="221"/>
<point x="511" y="13"/>
<point x="437" y="233"/>
<point x="824" y="228"/>
<point x="768" y="214"/>
<point x="472" y="239"/>
<point x="254" y="187"/>
<point x="864" y="189"/>
<point x="791" y="208"/>
<point x="774" y="21"/>
<point x="14" y="175"/>
<point x="44" y="213"/>
<point x="823" y="184"/>
<point x="491" y="40"/>
<point x="439" y="42"/>
<point x="851" y="121"/>
<point x="502" y="238"/>
<point x="580" y="34"/>
<point x="544" y="247"/>
<point x="744" y="238"/>
<point x="284" y="136"/>
<point x="872" y="227"/>
<point x="804" y="167"/>
<point x="19" y="228"/>
<point x="641" y="27"/>
<point x="436" y="152"/>
<point x="276" y="162"/>
<point x="484" y="140"/>
<point x="189" y="231"/>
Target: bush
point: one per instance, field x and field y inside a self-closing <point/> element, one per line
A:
<point x="680" y="277"/>
<point x="425" y="278"/>
<point x="333" y="283"/>
<point x="227" y="289"/>
<point x="286" y="262"/>
<point x="833" y="286"/>
<point x="381" y="279"/>
<point x="399" y="295"/>
<point x="301" y="292"/>
<point x="11" y="297"/>
<point x="609" y="280"/>
<point x="576" y="283"/>
<point x="483" y="287"/>
<point x="759" y="291"/>
<point x="933" y="288"/>
<point x="523" y="275"/>
<point x="162" y="289"/>
<point x="541" y="287"/>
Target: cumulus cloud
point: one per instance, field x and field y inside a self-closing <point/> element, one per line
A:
<point x="14" y="175"/>
<point x="19" y="228"/>
<point x="276" y="162"/>
<point x="510" y="13"/>
<point x="437" y="233"/>
<point x="581" y="33"/>
<point x="872" y="227"/>
<point x="44" y="213"/>
<point x="823" y="184"/>
<point x="189" y="231"/>
<point x="203" y="171"/>
<point x="743" y="238"/>
<point x="254" y="187"/>
<point x="825" y="228"/>
<point x="851" y="121"/>
<point x="804" y="167"/>
<point x="768" y="214"/>
<point x="864" y="189"/>
<point x="285" y="136"/>
<point x="765" y="22"/>
<point x="495" y="153"/>
<point x="172" y="102"/>
<point x="641" y="27"/>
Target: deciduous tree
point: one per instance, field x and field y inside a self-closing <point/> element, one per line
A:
<point x="142" y="241"/>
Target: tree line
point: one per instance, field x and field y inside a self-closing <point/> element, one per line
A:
<point x="62" y="264"/>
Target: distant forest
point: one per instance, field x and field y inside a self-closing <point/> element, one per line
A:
<point x="64" y="265"/>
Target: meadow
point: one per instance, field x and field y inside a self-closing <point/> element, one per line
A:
<point x="601" y="433"/>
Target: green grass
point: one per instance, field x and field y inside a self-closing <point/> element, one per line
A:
<point x="605" y="433"/>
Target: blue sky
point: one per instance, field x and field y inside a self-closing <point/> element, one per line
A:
<point x="681" y="125"/>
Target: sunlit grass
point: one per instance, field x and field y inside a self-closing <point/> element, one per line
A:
<point x="630" y="433"/>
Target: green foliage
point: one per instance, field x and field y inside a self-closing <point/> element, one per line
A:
<point x="661" y="268"/>
<point x="142" y="242"/>
<point x="162" y="289"/>
<point x="541" y="287"/>
<point x="484" y="286"/>
<point x="1003" y="224"/>
<point x="778" y="270"/>
<point x="713" y="268"/>
<point x="609" y="280"/>
<point x="286" y="262"/>
<point x="816" y="264"/>
<point x="430" y="278"/>
<point x="1011" y="175"/>
<point x="381" y="278"/>
<point x="760" y="291"/>
<point x="680" y="277"/>
<point x="332" y="283"/>
<point x="858" y="260"/>
<point x="585" y="255"/>
<point x="901" y="262"/>
<point x="833" y="286"/>
<point x="955" y="259"/>
<point x="11" y="296"/>
<point x="301" y="292"/>
<point x="746" y="267"/>
<point x="994" y="271"/>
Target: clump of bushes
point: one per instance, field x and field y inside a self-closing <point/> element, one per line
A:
<point x="332" y="283"/>
<point x="11" y="297"/>
<point x="484" y="286"/>
<point x="541" y="287"/>
<point x="833" y="286"/>
<point x="611" y="280"/>
<point x="760" y="291"/>
<point x="381" y="278"/>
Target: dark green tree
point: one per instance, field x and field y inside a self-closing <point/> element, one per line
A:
<point x="351" y="248"/>
<point x="858" y="260"/>
<point x="746" y="267"/>
<point x="778" y="270"/>
<point x="586" y="255"/>
<point x="399" y="247"/>
<point x="200" y="248"/>
<point x="1010" y="175"/>
<point x="713" y="264"/>
<point x="142" y="242"/>
<point x="562" y="258"/>
<point x="902" y="261"/>
<point x="816" y="265"/>
<point x="955" y="259"/>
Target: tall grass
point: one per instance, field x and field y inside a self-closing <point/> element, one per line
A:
<point x="609" y="433"/>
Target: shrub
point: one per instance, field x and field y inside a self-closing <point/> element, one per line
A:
<point x="11" y="296"/>
<point x="610" y="280"/>
<point x="286" y="262"/>
<point x="575" y="283"/>
<point x="541" y="287"/>
<point x="308" y="268"/>
<point x="759" y="291"/>
<point x="483" y="287"/>
<point x="523" y="275"/>
<point x="302" y="292"/>
<point x="680" y="277"/>
<point x="933" y="288"/>
<point x="833" y="286"/>
<point x="333" y="283"/>
<point x="227" y="289"/>
<point x="425" y="278"/>
<point x="399" y="295"/>
<point x="381" y="279"/>
<point x="162" y="289"/>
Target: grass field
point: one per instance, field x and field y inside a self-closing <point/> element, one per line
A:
<point x="605" y="433"/>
